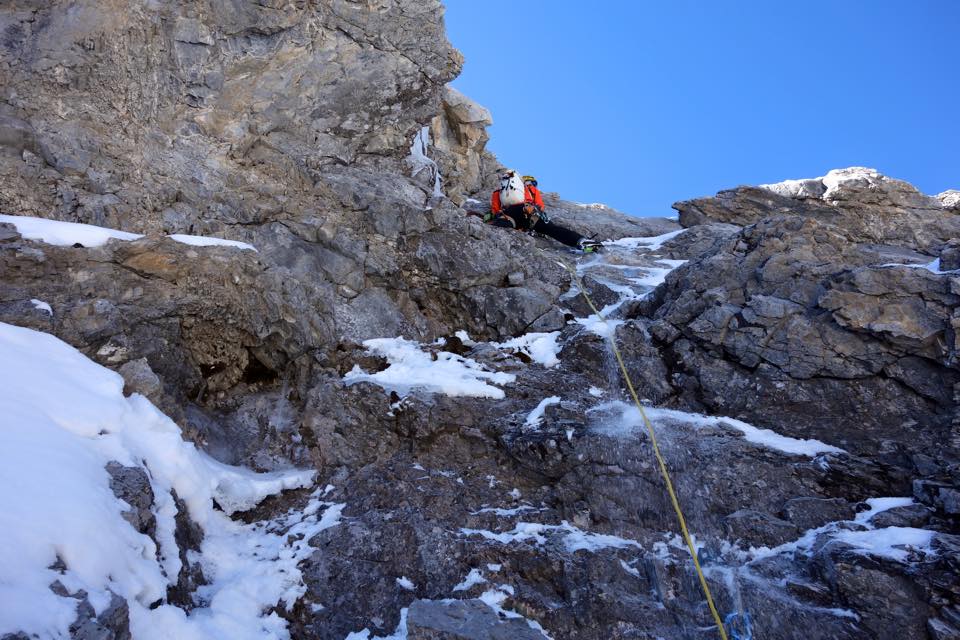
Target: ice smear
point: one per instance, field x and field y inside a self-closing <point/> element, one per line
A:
<point x="572" y="538"/>
<point x="62" y="419"/>
<point x="656" y="275"/>
<point x="541" y="347"/>
<point x="536" y="416"/>
<point x="40" y="304"/>
<point x="623" y="419"/>
<point x="651" y="243"/>
<point x="412" y="369"/>
<point x="497" y="511"/>
<point x="474" y="577"/>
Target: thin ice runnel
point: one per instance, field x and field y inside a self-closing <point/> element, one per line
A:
<point x="419" y="160"/>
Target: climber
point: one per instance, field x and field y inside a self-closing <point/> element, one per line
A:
<point x="518" y="204"/>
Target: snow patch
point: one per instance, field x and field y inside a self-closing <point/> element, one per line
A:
<point x="932" y="267"/>
<point x="465" y="338"/>
<point x="412" y="369"/>
<point x="400" y="633"/>
<point x="600" y="325"/>
<point x="657" y="275"/>
<point x="536" y="416"/>
<point x="494" y="599"/>
<point x="405" y="583"/>
<point x="541" y="347"/>
<point x="41" y="305"/>
<point x="473" y="578"/>
<point x="207" y="241"/>
<point x="651" y="243"/>
<point x="894" y="543"/>
<point x="879" y="505"/>
<point x="65" y="234"/>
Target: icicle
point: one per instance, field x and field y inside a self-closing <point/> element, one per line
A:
<point x="419" y="161"/>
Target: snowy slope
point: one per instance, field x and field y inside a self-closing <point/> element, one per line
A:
<point x="62" y="419"/>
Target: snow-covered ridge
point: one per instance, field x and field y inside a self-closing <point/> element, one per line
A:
<point x="827" y="187"/>
<point x="67" y="234"/>
<point x="62" y="419"/>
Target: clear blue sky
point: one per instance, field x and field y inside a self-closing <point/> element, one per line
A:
<point x="640" y="103"/>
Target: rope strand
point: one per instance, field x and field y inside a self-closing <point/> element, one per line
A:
<point x="660" y="461"/>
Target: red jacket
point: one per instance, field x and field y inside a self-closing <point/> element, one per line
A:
<point x="531" y="195"/>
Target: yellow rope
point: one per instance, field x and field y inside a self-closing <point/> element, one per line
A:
<point x="660" y="461"/>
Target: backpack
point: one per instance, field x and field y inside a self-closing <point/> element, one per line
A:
<point x="512" y="190"/>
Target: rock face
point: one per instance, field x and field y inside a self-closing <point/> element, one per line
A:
<point x="812" y="308"/>
<point x="814" y="332"/>
<point x="604" y="222"/>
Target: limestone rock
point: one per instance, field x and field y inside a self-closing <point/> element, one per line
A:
<point x="950" y="256"/>
<point x="132" y="485"/>
<point x="459" y="136"/>
<point x="795" y="307"/>
<point x="464" y="620"/>
<point x="603" y="221"/>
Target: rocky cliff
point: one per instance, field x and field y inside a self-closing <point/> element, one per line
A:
<point x="478" y="471"/>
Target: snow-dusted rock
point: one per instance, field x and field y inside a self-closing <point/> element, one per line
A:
<point x="865" y="203"/>
<point x="950" y="199"/>
<point x="795" y="369"/>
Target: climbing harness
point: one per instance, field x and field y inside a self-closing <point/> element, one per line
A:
<point x="663" y="471"/>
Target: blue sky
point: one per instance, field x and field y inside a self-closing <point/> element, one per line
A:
<point x="639" y="104"/>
